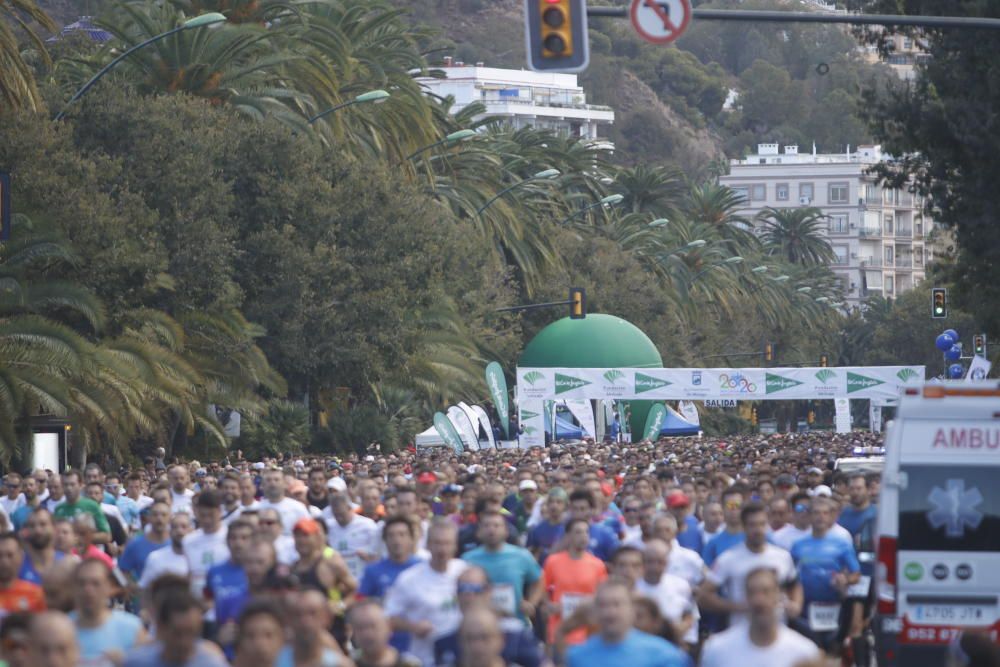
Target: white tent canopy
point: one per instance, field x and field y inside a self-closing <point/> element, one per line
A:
<point x="429" y="438"/>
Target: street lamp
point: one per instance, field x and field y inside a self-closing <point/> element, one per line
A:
<point x="804" y="290"/>
<point x="453" y="138"/>
<point x="372" y="96"/>
<point x="728" y="260"/>
<point x="610" y="200"/>
<point x="781" y="279"/>
<point x="659" y="222"/>
<point x="697" y="243"/>
<point x="210" y="18"/>
<point x="759" y="269"/>
<point x="822" y="299"/>
<point x="540" y="176"/>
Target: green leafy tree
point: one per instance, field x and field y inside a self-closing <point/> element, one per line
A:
<point x="796" y="234"/>
<point x="18" y="89"/>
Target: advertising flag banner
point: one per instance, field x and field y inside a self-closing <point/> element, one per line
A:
<point x="689" y="411"/>
<point x="979" y="369"/>
<point x="447" y="432"/>
<point x="464" y="427"/>
<point x="654" y="422"/>
<point x="582" y="410"/>
<point x="484" y="421"/>
<point x="531" y="417"/>
<point x="497" y="384"/>
<point x="700" y="384"/>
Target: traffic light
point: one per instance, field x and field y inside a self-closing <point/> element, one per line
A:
<point x="811" y="417"/>
<point x="979" y="345"/>
<point x="768" y="352"/>
<point x="753" y="416"/>
<point x="577" y="303"/>
<point x="555" y="34"/>
<point x="4" y="206"/>
<point x="939" y="303"/>
<point x="824" y="361"/>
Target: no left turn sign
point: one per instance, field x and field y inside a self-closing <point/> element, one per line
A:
<point x="660" y="21"/>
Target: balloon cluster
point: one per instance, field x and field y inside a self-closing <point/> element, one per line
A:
<point x="947" y="342"/>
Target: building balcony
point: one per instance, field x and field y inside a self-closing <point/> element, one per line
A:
<point x="876" y="262"/>
<point x="904" y="262"/>
<point x="869" y="232"/>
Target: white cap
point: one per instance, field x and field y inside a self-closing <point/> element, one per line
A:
<point x="299" y="463"/>
<point x="337" y="484"/>
<point x="259" y="465"/>
<point x="527" y="484"/>
<point x="821" y="490"/>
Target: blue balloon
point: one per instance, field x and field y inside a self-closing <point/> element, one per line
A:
<point x="956" y="371"/>
<point x="953" y="334"/>
<point x="944" y="342"/>
<point x="954" y="353"/>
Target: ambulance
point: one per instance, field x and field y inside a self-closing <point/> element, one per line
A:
<point x="937" y="571"/>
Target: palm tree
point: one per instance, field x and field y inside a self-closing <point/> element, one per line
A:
<point x="17" y="81"/>
<point x="653" y="190"/>
<point x="796" y="234"/>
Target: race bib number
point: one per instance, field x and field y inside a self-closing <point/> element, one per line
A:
<point x="354" y="565"/>
<point x="824" y="616"/>
<point x="504" y="599"/>
<point x="570" y="602"/>
<point x="860" y="589"/>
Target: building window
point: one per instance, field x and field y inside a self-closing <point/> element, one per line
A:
<point x="758" y="192"/>
<point x="907" y="43"/>
<point x="889" y="224"/>
<point x="781" y="191"/>
<point x="806" y="193"/>
<point x="888" y="255"/>
<point x="840" y="255"/>
<point x="872" y="194"/>
<point x="742" y="192"/>
<point x="839" y="223"/>
<point x="838" y="193"/>
<point x="890" y="284"/>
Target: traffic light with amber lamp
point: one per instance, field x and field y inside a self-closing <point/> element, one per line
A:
<point x="753" y="417"/>
<point x="555" y="33"/>
<point x="824" y="361"/>
<point x="768" y="352"/>
<point x="939" y="303"/>
<point x="812" y="417"/>
<point x="577" y="303"/>
<point x="979" y="345"/>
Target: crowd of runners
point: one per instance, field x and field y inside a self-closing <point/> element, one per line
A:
<point x="746" y="551"/>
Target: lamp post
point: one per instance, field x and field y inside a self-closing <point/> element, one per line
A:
<point x="759" y="269"/>
<point x="454" y="137"/>
<point x="540" y="176"/>
<point x="728" y="260"/>
<point x="372" y="96"/>
<point x="210" y="18"/>
<point x="610" y="200"/>
<point x="659" y="222"/>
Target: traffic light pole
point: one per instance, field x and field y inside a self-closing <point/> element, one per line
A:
<point x="765" y="16"/>
<point x="533" y="306"/>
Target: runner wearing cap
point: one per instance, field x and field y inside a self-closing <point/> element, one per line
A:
<point x="689" y="536"/>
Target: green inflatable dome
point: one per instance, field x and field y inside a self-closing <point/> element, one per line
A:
<point x="597" y="341"/>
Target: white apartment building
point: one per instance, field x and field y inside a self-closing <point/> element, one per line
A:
<point x="880" y="236"/>
<point x="537" y="99"/>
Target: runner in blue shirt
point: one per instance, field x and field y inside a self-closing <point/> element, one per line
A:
<point x="133" y="560"/>
<point x="603" y="542"/>
<point x="861" y="510"/>
<point x="827" y="566"/>
<point x="542" y="537"/>
<point x="39" y="550"/>
<point x="511" y="569"/>
<point x="227" y="586"/>
<point x="732" y="535"/>
<point x="617" y="642"/>
<point x="400" y="537"/>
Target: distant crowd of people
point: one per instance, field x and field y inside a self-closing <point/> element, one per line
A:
<point x="739" y="552"/>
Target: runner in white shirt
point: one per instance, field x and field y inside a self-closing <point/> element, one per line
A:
<point x="273" y="487"/>
<point x="423" y="600"/>
<point x="671" y="593"/>
<point x="763" y="641"/>
<point x="801" y="525"/>
<point x="13" y="498"/>
<point x="180" y="494"/>
<point x="172" y="559"/>
<point x="728" y="573"/>
<point x="284" y="545"/>
<point x="356" y="538"/>
<point x="714" y="522"/>
<point x="206" y="546"/>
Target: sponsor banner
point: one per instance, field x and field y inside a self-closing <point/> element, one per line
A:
<point x="484" y="421"/>
<point x="497" y="384"/>
<point x="699" y="384"/>
<point x="531" y="417"/>
<point x="842" y="418"/>
<point x="654" y="422"/>
<point x="689" y="411"/>
<point x="447" y="431"/>
<point x="979" y="369"/>
<point x="464" y="427"/>
<point x="719" y="403"/>
<point x="875" y="417"/>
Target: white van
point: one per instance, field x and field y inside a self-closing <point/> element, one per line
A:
<point x="938" y="567"/>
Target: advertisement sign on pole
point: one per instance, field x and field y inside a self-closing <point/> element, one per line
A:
<point x="497" y="384"/>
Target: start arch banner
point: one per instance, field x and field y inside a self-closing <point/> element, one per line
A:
<point x="699" y="384"/>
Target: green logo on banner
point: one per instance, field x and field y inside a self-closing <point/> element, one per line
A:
<point x="447" y="432"/>
<point x="654" y="422"/>
<point x="857" y="382"/>
<point x="527" y="414"/>
<point x="825" y="375"/>
<point x="906" y="374"/>
<point x="613" y="376"/>
<point x="644" y="383"/>
<point x="528" y="430"/>
<point x="533" y="377"/>
<point x="775" y="383"/>
<point x="566" y="383"/>
<point x="913" y="571"/>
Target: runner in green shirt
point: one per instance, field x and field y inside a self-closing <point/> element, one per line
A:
<point x="76" y="504"/>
